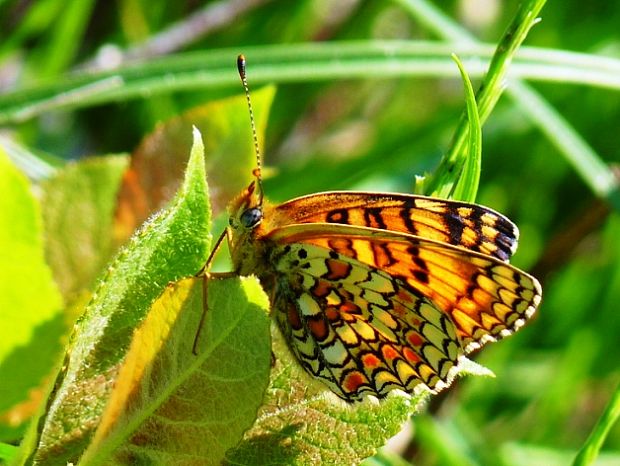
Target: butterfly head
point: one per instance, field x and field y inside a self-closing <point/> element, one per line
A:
<point x="246" y="211"/>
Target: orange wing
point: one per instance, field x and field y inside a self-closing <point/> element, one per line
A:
<point x="486" y="298"/>
<point x="461" y="224"/>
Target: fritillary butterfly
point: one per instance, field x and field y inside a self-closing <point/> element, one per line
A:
<point x="375" y="291"/>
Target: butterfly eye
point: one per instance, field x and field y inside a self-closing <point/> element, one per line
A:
<point x="251" y="217"/>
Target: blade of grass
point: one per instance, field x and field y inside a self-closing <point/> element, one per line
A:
<point x="34" y="22"/>
<point x="585" y="161"/>
<point x="448" y="448"/>
<point x="490" y="89"/>
<point x="462" y="183"/>
<point x="209" y="18"/>
<point x="7" y="452"/>
<point x="65" y="38"/>
<point x="34" y="166"/>
<point x="466" y="187"/>
<point x="295" y="63"/>
<point x="590" y="449"/>
<point x="595" y="173"/>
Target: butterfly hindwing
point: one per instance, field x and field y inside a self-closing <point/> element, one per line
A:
<point x="358" y="329"/>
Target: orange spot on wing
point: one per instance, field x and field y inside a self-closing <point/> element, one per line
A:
<point x="389" y="353"/>
<point x="411" y="355"/>
<point x="349" y="311"/>
<point x="399" y="310"/>
<point x="353" y="381"/>
<point x="318" y="327"/>
<point x="338" y="270"/>
<point x="405" y="296"/>
<point x="371" y="361"/>
<point x="321" y="289"/>
<point x="293" y="318"/>
<point x="332" y="313"/>
<point x="342" y="245"/>
<point x="349" y="307"/>
<point x="415" y="339"/>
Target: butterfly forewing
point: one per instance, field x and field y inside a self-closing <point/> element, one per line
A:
<point x="467" y="225"/>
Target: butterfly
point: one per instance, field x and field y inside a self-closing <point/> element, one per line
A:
<point x="376" y="292"/>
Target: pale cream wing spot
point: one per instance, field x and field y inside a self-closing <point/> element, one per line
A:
<point x="308" y="306"/>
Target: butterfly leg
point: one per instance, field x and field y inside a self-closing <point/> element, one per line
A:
<point x="203" y="315"/>
<point x="205" y="275"/>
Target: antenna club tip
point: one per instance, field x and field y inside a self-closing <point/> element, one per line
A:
<point x="241" y="65"/>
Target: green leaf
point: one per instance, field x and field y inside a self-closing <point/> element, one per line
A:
<point x="31" y="319"/>
<point x="301" y="422"/>
<point x="467" y="186"/>
<point x="489" y="92"/>
<point x="7" y="452"/>
<point x="172" y="245"/>
<point x="65" y="36"/>
<point x="168" y="405"/>
<point x="78" y="211"/>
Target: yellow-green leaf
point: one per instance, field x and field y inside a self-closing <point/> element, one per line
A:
<point x="31" y="319"/>
<point x="458" y="174"/>
<point x="170" y="406"/>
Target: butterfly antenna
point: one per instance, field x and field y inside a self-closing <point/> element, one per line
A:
<point x="258" y="171"/>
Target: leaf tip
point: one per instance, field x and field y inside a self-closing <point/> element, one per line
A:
<point x="195" y="174"/>
<point x="197" y="153"/>
<point x="195" y="170"/>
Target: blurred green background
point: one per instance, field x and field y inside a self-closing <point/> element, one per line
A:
<point x="377" y="132"/>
